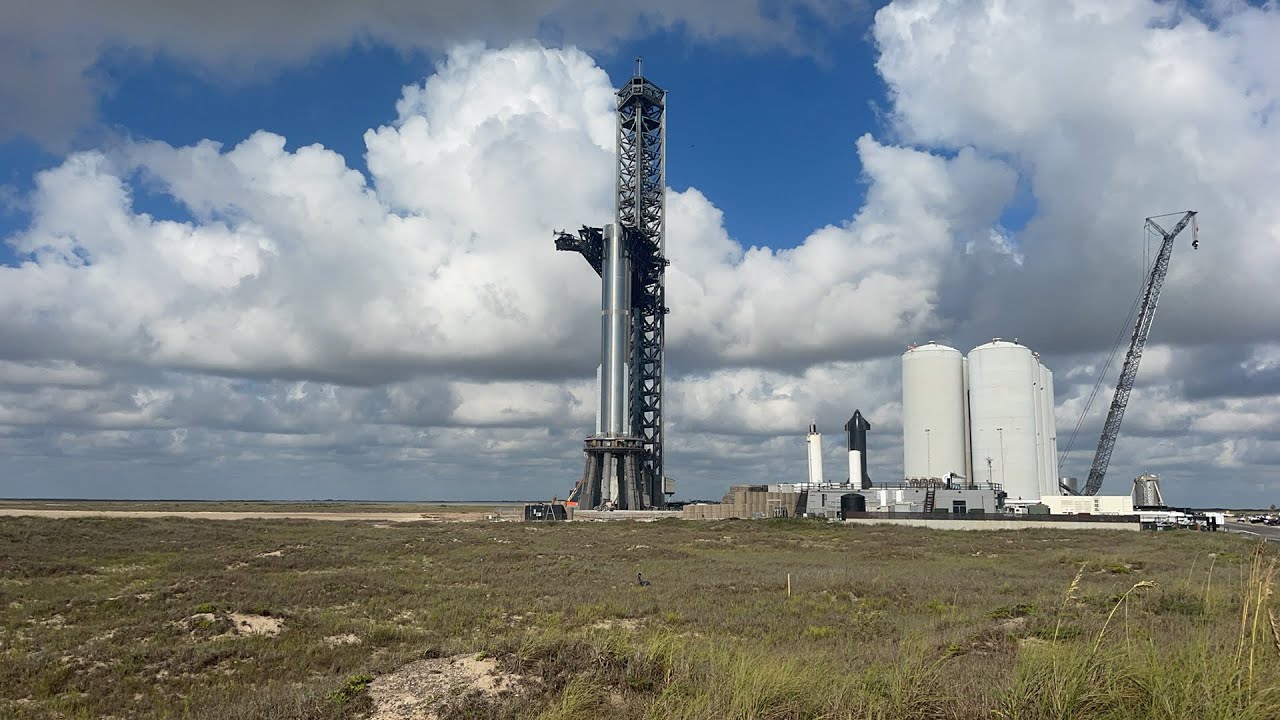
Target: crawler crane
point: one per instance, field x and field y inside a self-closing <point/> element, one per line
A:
<point x="1146" y="312"/>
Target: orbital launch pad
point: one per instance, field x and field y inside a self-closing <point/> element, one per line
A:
<point x="624" y="468"/>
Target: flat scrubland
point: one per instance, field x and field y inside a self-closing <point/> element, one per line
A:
<point x="294" y="619"/>
<point x="235" y="506"/>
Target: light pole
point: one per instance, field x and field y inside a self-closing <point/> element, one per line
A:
<point x="928" y="454"/>
<point x="1003" y="479"/>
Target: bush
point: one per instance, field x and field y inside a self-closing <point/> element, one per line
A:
<point x="351" y="689"/>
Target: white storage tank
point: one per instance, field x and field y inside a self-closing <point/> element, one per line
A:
<point x="1002" y="417"/>
<point x="814" y="442"/>
<point x="933" y="411"/>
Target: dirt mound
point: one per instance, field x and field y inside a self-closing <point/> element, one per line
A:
<point x="420" y="690"/>
<point x="247" y="624"/>
<point x="223" y="624"/>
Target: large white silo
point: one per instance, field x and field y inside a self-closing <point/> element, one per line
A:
<point x="1002" y="417"/>
<point x="933" y="431"/>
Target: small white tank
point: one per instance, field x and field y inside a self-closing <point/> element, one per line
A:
<point x="814" y="442"/>
<point x="1002" y="418"/>
<point x="933" y="426"/>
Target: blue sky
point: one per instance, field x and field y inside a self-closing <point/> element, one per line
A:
<point x="767" y="134"/>
<point x="429" y="349"/>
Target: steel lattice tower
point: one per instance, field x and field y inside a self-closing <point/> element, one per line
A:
<point x="640" y="226"/>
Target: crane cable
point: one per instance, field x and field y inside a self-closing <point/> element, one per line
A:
<point x="1115" y="347"/>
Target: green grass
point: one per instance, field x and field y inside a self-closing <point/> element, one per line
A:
<point x="95" y="619"/>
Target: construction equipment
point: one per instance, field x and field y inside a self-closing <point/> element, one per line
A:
<point x="1146" y="312"/>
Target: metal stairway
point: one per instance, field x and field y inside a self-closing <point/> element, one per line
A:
<point x="930" y="498"/>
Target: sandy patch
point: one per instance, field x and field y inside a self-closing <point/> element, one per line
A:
<point x="1012" y="625"/>
<point x="347" y="639"/>
<point x="273" y="553"/>
<point x="201" y="618"/>
<point x="241" y="623"/>
<point x="257" y="624"/>
<point x="458" y="517"/>
<point x="420" y="690"/>
<point x="630" y="624"/>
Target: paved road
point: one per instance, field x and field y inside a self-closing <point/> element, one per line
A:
<point x="1259" y="530"/>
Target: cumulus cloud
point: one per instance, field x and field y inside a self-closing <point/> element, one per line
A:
<point x="443" y="262"/>
<point x="417" y="324"/>
<point x="50" y="50"/>
<point x="1110" y="112"/>
<point x="295" y="297"/>
<point x="1120" y="111"/>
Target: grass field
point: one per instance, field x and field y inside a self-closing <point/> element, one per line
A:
<point x="135" y="618"/>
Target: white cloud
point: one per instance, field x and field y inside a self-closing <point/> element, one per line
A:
<point x="845" y="292"/>
<point x="1111" y="112"/>
<point x="444" y="262"/>
<point x="438" y="268"/>
<point x="419" y="322"/>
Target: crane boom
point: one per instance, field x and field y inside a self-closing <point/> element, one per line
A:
<point x="1147" y="311"/>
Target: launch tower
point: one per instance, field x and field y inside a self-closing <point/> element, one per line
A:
<point x="624" y="465"/>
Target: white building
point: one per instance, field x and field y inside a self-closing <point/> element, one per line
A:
<point x="1089" y="504"/>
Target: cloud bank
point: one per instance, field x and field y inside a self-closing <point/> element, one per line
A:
<point x="413" y="332"/>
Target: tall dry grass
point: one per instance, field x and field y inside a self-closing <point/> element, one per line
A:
<point x="1206" y="676"/>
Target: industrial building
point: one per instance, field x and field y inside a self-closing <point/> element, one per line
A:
<point x="1088" y="504"/>
<point x="822" y="499"/>
<point x="838" y="501"/>
<point x="986" y="419"/>
<point x="750" y="502"/>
